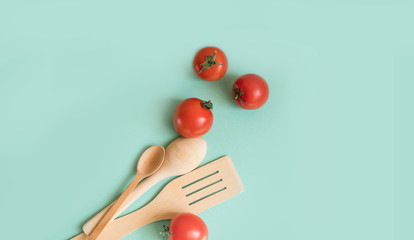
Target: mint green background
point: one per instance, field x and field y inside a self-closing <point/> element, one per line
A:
<point x="86" y="86"/>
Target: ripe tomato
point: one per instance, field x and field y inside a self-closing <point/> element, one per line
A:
<point x="187" y="226"/>
<point x="250" y="91"/>
<point x="210" y="63"/>
<point x="193" y="117"/>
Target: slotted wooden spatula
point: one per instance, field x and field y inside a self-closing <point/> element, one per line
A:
<point x="193" y="192"/>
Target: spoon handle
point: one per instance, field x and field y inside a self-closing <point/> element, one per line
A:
<point x="115" y="207"/>
<point x="140" y="189"/>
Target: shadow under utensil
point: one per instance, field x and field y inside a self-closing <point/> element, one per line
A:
<point x="150" y="231"/>
<point x="129" y="176"/>
<point x="132" y="172"/>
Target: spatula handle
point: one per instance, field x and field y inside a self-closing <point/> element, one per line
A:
<point x="146" y="184"/>
<point x="122" y="226"/>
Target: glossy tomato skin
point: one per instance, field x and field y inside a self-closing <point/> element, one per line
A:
<point x="250" y="91"/>
<point x="216" y="71"/>
<point x="191" y="119"/>
<point x="187" y="226"/>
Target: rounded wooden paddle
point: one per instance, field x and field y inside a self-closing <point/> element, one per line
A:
<point x="182" y="156"/>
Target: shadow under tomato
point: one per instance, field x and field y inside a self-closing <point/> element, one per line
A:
<point x="166" y="123"/>
<point x="224" y="89"/>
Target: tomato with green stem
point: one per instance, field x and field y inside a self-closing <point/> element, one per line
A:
<point x="193" y="117"/>
<point x="250" y="91"/>
<point x="210" y="63"/>
<point x="186" y="226"/>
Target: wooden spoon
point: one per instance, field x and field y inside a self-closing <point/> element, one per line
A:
<point x="150" y="161"/>
<point x="182" y="156"/>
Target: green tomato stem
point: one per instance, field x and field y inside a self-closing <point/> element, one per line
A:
<point x="207" y="104"/>
<point x="236" y="90"/>
<point x="210" y="61"/>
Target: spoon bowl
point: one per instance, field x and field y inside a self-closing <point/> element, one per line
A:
<point x="184" y="155"/>
<point x="151" y="160"/>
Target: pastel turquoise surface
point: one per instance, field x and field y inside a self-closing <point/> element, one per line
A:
<point x="86" y="86"/>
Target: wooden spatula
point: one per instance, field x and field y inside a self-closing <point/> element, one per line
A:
<point x="182" y="156"/>
<point x="193" y="192"/>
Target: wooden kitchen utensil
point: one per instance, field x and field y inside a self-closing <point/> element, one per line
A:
<point x="182" y="156"/>
<point x="150" y="161"/>
<point x="193" y="192"/>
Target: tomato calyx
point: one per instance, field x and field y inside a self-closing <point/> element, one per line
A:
<point x="166" y="232"/>
<point x="210" y="61"/>
<point x="207" y="104"/>
<point x="238" y="94"/>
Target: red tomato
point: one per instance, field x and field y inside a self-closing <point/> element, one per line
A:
<point x="210" y="63"/>
<point x="193" y="117"/>
<point x="187" y="226"/>
<point x="250" y="91"/>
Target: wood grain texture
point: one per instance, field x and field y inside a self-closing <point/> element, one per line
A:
<point x="150" y="161"/>
<point x="182" y="156"/>
<point x="223" y="182"/>
<point x="114" y="208"/>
